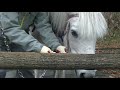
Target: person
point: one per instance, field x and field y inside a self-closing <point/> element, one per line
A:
<point x="15" y="27"/>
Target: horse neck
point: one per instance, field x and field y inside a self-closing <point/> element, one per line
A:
<point x="58" y="21"/>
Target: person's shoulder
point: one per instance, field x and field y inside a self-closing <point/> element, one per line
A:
<point x="34" y="13"/>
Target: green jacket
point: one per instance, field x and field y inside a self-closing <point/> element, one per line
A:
<point x="14" y="25"/>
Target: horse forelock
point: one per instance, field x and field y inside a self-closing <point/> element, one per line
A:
<point x="92" y="25"/>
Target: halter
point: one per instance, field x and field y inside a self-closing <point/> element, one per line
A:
<point x="67" y="30"/>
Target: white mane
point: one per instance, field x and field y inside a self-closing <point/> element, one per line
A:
<point x="91" y="24"/>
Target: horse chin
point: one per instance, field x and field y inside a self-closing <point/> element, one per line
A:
<point x="84" y="73"/>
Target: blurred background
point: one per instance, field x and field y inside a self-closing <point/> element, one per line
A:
<point x="112" y="39"/>
<point x="111" y="42"/>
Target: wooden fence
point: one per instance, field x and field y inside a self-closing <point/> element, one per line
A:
<point x="104" y="59"/>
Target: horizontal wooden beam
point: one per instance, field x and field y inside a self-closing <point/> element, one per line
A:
<point x="108" y="50"/>
<point x="31" y="60"/>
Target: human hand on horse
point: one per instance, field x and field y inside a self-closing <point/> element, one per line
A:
<point x="46" y="50"/>
<point x="61" y="49"/>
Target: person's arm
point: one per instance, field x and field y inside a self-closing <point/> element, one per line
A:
<point x="9" y="23"/>
<point x="45" y="30"/>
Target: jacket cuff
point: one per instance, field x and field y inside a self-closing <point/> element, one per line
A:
<point x="55" y="46"/>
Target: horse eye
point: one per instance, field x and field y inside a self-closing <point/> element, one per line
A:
<point x="74" y="33"/>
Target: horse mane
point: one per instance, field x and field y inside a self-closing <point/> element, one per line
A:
<point x="58" y="21"/>
<point x="91" y="24"/>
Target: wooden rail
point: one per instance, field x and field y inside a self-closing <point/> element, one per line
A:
<point x="31" y="60"/>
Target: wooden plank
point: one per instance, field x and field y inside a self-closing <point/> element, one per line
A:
<point x="108" y="51"/>
<point x="31" y="60"/>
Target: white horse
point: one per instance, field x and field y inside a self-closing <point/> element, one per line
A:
<point x="78" y="31"/>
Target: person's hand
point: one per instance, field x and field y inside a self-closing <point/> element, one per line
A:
<point x="46" y="50"/>
<point x="61" y="49"/>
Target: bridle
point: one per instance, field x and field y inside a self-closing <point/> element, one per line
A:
<point x="67" y="31"/>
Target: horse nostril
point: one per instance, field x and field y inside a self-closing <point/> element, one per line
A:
<point x="82" y="75"/>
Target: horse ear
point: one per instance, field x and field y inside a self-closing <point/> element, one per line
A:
<point x="73" y="14"/>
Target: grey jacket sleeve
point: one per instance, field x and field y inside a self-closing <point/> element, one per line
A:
<point x="45" y="30"/>
<point x="9" y="23"/>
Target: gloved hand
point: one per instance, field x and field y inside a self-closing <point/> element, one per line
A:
<point x="46" y="50"/>
<point x="61" y="49"/>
